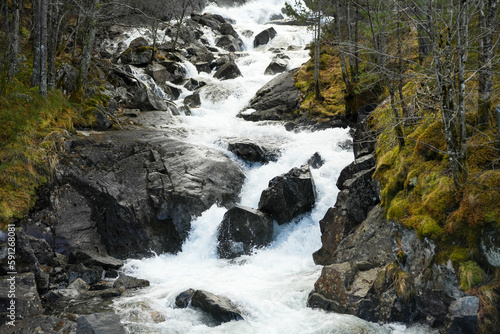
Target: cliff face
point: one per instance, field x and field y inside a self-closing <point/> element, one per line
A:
<point x="376" y="268"/>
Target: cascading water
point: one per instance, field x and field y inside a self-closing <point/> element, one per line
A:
<point x="271" y="286"/>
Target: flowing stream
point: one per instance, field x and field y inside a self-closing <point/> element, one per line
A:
<point x="271" y="286"/>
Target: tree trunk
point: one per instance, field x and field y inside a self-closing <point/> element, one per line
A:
<point x="487" y="27"/>
<point x="317" y="52"/>
<point x="43" y="48"/>
<point x="87" y="48"/>
<point x="53" y="20"/>
<point x="14" y="39"/>
<point x="35" y="74"/>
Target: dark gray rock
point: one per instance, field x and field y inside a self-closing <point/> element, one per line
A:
<point x="251" y="152"/>
<point x="176" y="73"/>
<point x="27" y="262"/>
<point x="27" y="300"/>
<point x="219" y="307"/>
<point x="227" y="29"/>
<point x="193" y="84"/>
<point x="128" y="282"/>
<point x="193" y="100"/>
<point x="228" y="71"/>
<point x="184" y="298"/>
<point x="276" y="100"/>
<point x="138" y="42"/>
<point x="229" y="43"/>
<point x="40" y="324"/>
<point x="316" y="161"/>
<point x="277" y="65"/>
<point x="99" y="323"/>
<point x="90" y="258"/>
<point x="137" y="190"/>
<point x="363" y="163"/>
<point x="89" y="275"/>
<point x="242" y="230"/>
<point x="264" y="37"/>
<point x="203" y="67"/>
<point x="464" y="312"/>
<point x="138" y="57"/>
<point x="157" y="72"/>
<point x="289" y="195"/>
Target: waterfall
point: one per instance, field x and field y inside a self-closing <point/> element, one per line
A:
<point x="270" y="286"/>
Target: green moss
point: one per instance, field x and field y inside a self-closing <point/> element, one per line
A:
<point x="441" y="200"/>
<point x="470" y="275"/>
<point x="399" y="208"/>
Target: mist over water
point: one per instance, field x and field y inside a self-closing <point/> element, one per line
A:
<point x="271" y="286"/>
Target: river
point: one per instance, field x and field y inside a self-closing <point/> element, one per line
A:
<point x="271" y="286"/>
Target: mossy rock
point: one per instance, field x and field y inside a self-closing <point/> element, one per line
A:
<point x="470" y="275"/>
<point x="431" y="142"/>
<point x="426" y="227"/>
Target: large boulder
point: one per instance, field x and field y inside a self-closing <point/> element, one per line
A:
<point x="242" y="230"/>
<point x="289" y="195"/>
<point x="264" y="37"/>
<point x="128" y="282"/>
<point x="176" y="73"/>
<point x="129" y="192"/>
<point x="228" y="71"/>
<point x="275" y="101"/>
<point x="219" y="307"/>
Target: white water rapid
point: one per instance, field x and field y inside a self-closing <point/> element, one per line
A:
<point x="272" y="285"/>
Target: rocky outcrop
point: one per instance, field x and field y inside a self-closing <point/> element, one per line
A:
<point x="129" y="192"/>
<point x="242" y="230"/>
<point x="277" y="65"/>
<point x="26" y="303"/>
<point x="289" y="195"/>
<point x="275" y="101"/>
<point x="378" y="269"/>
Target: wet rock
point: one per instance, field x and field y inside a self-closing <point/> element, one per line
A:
<point x="490" y="247"/>
<point x="316" y="161"/>
<point x="141" y="56"/>
<point x="27" y="262"/>
<point x="157" y="72"/>
<point x="176" y="73"/>
<point x="108" y="323"/>
<point x="275" y="101"/>
<point x="229" y="43"/>
<point x="138" y="42"/>
<point x="145" y="100"/>
<point x="264" y="37"/>
<point x="27" y="300"/>
<point x="251" y="152"/>
<point x="128" y="282"/>
<point x="184" y="298"/>
<point x="90" y="275"/>
<point x="219" y="307"/>
<point x="171" y="91"/>
<point x="242" y="230"/>
<point x="227" y="29"/>
<point x="289" y="195"/>
<point x="464" y="312"/>
<point x="222" y="60"/>
<point x="363" y="163"/>
<point x="193" y="101"/>
<point x="90" y="258"/>
<point x="277" y="65"/>
<point x="209" y="20"/>
<point x="193" y="84"/>
<point x="40" y="324"/>
<point x="101" y="114"/>
<point x="228" y="71"/>
<point x="203" y="67"/>
<point x="42" y="250"/>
